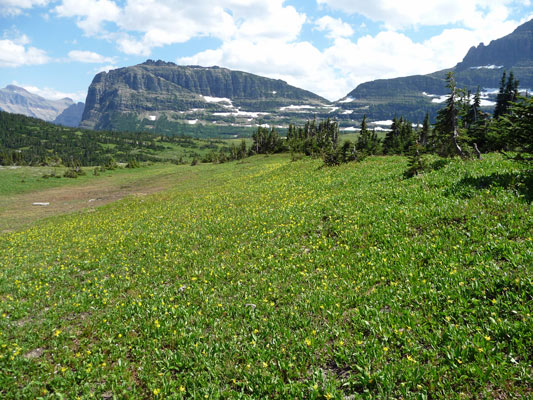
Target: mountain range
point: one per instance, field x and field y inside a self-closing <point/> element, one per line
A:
<point x="17" y="100"/>
<point x="168" y="98"/>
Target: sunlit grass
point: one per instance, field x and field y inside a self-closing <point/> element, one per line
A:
<point x="278" y="279"/>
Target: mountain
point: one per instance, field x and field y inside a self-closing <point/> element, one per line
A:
<point x="164" y="96"/>
<point x="17" y="100"/>
<point x="482" y="66"/>
<point x="71" y="116"/>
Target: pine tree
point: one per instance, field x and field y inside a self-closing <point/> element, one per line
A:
<point x="518" y="126"/>
<point x="500" y="99"/>
<point x="447" y="126"/>
<point x="425" y="132"/>
<point x="507" y="94"/>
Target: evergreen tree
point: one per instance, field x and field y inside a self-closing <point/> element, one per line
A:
<point x="391" y="144"/>
<point x="425" y="132"/>
<point x="507" y="94"/>
<point x="517" y="126"/>
<point x="447" y="127"/>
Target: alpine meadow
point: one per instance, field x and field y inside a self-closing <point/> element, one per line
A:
<point x="201" y="232"/>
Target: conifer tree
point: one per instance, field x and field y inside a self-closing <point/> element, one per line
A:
<point x="425" y="132"/>
<point x="447" y="126"/>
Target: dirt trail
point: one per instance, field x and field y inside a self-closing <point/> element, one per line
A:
<point x="19" y="210"/>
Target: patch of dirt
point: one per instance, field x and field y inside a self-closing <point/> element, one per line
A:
<point x="19" y="211"/>
<point x="35" y="353"/>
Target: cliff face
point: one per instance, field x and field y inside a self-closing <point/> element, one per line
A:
<point x="509" y="51"/>
<point x="483" y="66"/>
<point x="17" y="100"/>
<point x="159" y="87"/>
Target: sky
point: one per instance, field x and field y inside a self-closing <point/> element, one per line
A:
<point x="54" y="48"/>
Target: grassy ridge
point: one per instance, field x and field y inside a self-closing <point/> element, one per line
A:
<point x="272" y="279"/>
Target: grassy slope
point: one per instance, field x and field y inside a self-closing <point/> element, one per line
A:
<point x="271" y="279"/>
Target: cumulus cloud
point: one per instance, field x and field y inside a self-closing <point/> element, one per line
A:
<point x="88" y="57"/>
<point x="15" y="7"/>
<point x="263" y="37"/>
<point x="334" y="27"/>
<point x="145" y="24"/>
<point x="90" y="14"/>
<point x="402" y="14"/>
<point x="16" y="53"/>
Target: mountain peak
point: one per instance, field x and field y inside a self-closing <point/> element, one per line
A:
<point x="527" y="27"/>
<point x="16" y="89"/>
<point x="508" y="51"/>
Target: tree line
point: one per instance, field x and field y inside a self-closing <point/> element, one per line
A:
<point x="462" y="129"/>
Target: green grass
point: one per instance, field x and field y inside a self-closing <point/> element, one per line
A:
<point x="18" y="180"/>
<point x="271" y="279"/>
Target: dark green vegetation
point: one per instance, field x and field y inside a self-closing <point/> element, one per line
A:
<point x="29" y="141"/>
<point x="279" y="279"/>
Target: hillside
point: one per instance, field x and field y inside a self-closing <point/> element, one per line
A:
<point x="138" y="96"/>
<point x="279" y="279"/>
<point x="17" y="100"/>
<point x="483" y="66"/>
<point x="31" y="141"/>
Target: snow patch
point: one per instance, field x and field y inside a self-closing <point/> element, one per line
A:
<point x="488" y="67"/>
<point x="296" y="108"/>
<point x="152" y="117"/>
<point x="382" y="123"/>
<point x="487" y="103"/>
<point x="192" y="122"/>
<point x="440" y="99"/>
<point x="349" y="129"/>
<point x="346" y="100"/>
<point x="347" y="112"/>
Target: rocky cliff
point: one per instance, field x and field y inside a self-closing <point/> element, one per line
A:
<point x="157" y="89"/>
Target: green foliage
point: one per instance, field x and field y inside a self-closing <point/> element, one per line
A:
<point x="29" y="141"/>
<point x="73" y="172"/>
<point x="281" y="280"/>
<point x="517" y="126"/>
<point x="266" y="141"/>
<point x="400" y="138"/>
<point x="507" y="95"/>
<point x="416" y="163"/>
<point x="367" y="142"/>
<point x="314" y="139"/>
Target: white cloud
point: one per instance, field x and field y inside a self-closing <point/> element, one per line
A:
<point x="91" y="14"/>
<point x="145" y="24"/>
<point x="263" y="37"/>
<point x="15" y="7"/>
<point x="334" y="27"/>
<point x="406" y="13"/>
<point x="88" y="57"/>
<point x="52" y="94"/>
<point x="15" y="53"/>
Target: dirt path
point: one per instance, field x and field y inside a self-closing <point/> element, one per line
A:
<point x="19" y="210"/>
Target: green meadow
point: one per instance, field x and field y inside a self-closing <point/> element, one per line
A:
<point x="277" y="279"/>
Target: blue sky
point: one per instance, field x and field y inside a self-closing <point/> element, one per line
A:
<point x="55" y="47"/>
